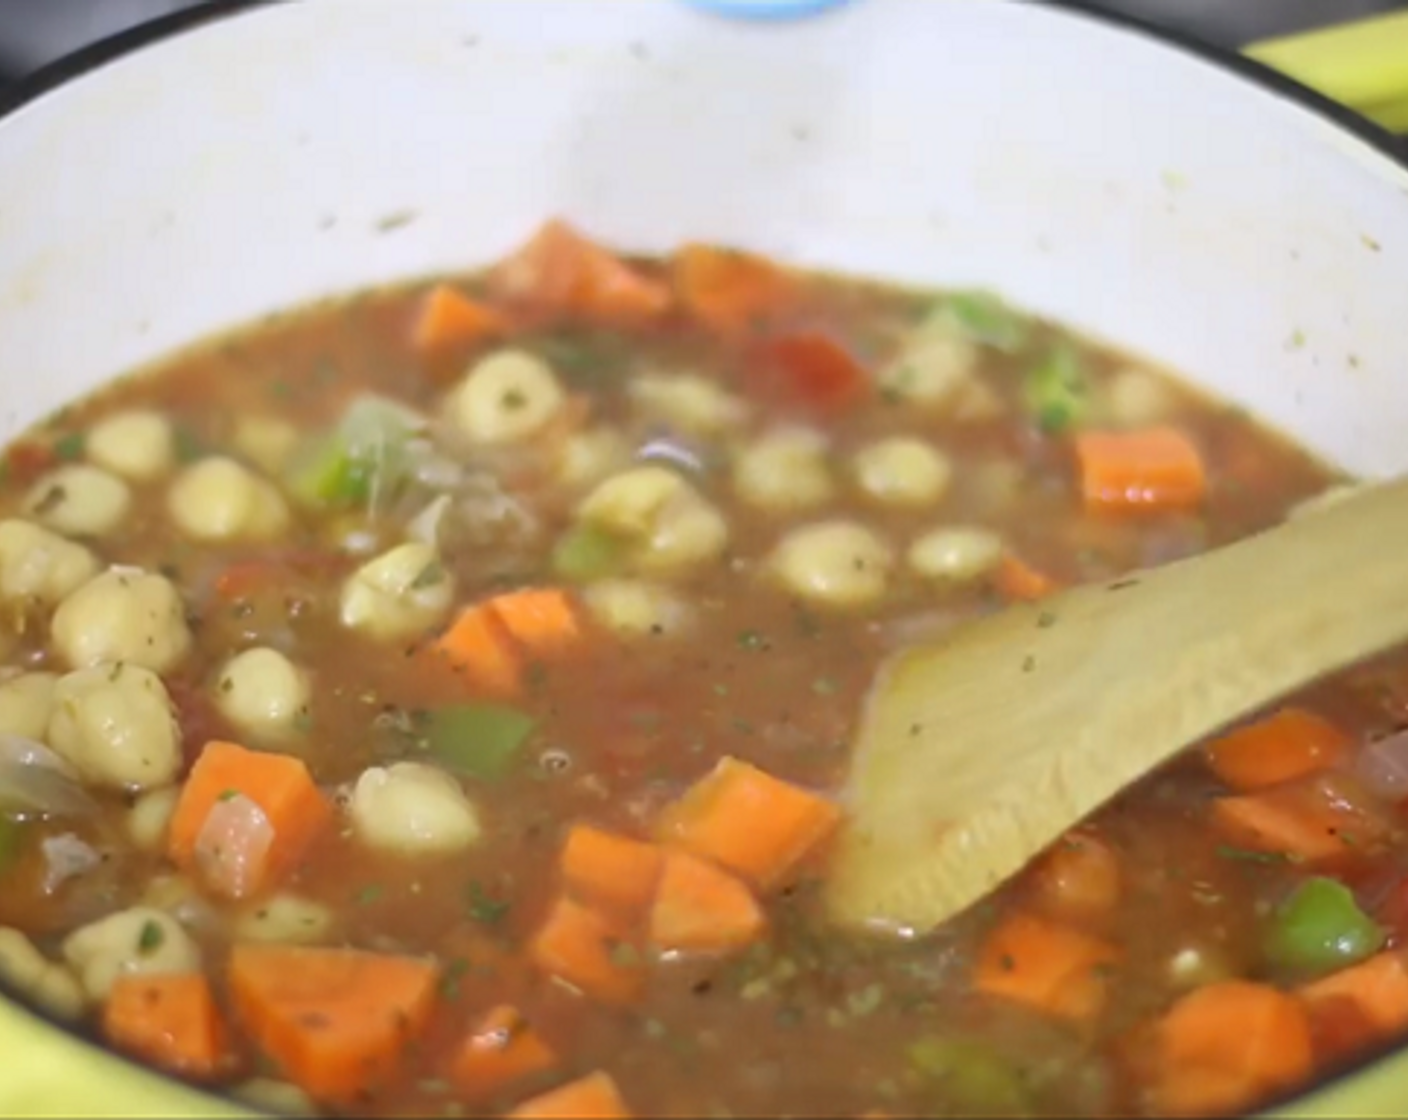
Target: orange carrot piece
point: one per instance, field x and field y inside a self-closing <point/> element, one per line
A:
<point x="594" y="1097"/>
<point x="561" y="270"/>
<point x="1149" y="469"/>
<point x="1079" y="879"/>
<point x="728" y="290"/>
<point x="500" y="1050"/>
<point x="1288" y="744"/>
<point x="477" y="646"/>
<point x="337" y="1021"/>
<point x="586" y="949"/>
<point x="603" y="869"/>
<point x="543" y="620"/>
<point x="1298" y="820"/>
<point x="1018" y="581"/>
<point x="1224" y="1047"/>
<point x="700" y="908"/>
<point x="449" y="319"/>
<point x="170" y="1021"/>
<point x="1377" y="987"/>
<point x="757" y="826"/>
<point x="1046" y="965"/>
<point x="282" y="788"/>
<point x="809" y="369"/>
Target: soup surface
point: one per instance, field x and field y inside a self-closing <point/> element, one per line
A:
<point x="438" y="703"/>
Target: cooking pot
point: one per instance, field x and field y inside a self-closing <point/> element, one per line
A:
<point x="242" y="158"/>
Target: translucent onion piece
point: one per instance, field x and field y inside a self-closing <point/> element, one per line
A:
<point x="1383" y="767"/>
<point x="232" y="845"/>
<point x="35" y="781"/>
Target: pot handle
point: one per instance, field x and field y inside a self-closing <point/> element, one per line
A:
<point x="1362" y="65"/>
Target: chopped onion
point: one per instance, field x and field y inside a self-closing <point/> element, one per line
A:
<point x="232" y="844"/>
<point x="1383" y="767"/>
<point x="66" y="857"/>
<point x="34" y="781"/>
<point x="674" y="452"/>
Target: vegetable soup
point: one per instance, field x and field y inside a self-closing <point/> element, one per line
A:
<point x="437" y="702"/>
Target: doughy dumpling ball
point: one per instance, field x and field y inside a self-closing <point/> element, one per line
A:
<point x="115" y="724"/>
<point x="220" y="499"/>
<point x="39" y="565"/>
<point x="833" y="563"/>
<point x="122" y="615"/>
<point x="138" y="444"/>
<point x="79" y="500"/>
<point x="263" y="693"/>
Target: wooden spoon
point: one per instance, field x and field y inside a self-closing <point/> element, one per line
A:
<point x="977" y="750"/>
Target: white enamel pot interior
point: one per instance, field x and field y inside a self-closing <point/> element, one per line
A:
<point x="1182" y="206"/>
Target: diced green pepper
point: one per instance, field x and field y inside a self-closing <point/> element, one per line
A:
<point x="325" y="475"/>
<point x="586" y="552"/>
<point x="1319" y="928"/>
<point x="1057" y="390"/>
<point x="364" y="454"/>
<point x="974" y="1080"/>
<point x="478" y="740"/>
<point x="987" y="318"/>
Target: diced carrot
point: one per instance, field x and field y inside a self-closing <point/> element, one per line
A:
<point x="700" y="908"/>
<point x="1017" y="580"/>
<point x="450" y="320"/>
<point x="811" y="370"/>
<point x="337" y="1021"/>
<point x="594" y="1097"/>
<point x="170" y="1021"/>
<point x="1340" y="1030"/>
<point x="1288" y="744"/>
<point x="1079" y="879"/>
<point x="757" y="826"/>
<point x="730" y="291"/>
<point x="1224" y="1047"/>
<point x="1299" y="820"/>
<point x="1149" y="469"/>
<point x="501" y="1049"/>
<point x="586" y="949"/>
<point x="280" y="786"/>
<point x="543" y="620"/>
<point x="1046" y="965"/>
<point x="603" y="869"/>
<point x="478" y="647"/>
<point x="561" y="270"/>
<point x="1378" y="987"/>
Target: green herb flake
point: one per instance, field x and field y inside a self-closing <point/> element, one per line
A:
<point x="751" y="639"/>
<point x="1056" y="390"/>
<point x="1245" y="855"/>
<point x="985" y="317"/>
<point x="69" y="447"/>
<point x="151" y="937"/>
<point x="484" y="908"/>
<point x="368" y="894"/>
<point x="228" y="794"/>
<point x="431" y="575"/>
<point x="453" y="975"/>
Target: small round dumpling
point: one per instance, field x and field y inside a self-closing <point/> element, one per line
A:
<point x="412" y="808"/>
<point x="79" y="500"/>
<point x="141" y="941"/>
<point x="399" y="594"/>
<point x="959" y="554"/>
<point x="266" y="441"/>
<point x="506" y="397"/>
<point x="636" y="608"/>
<point x="903" y="471"/>
<point x="286" y="919"/>
<point x="138" y="444"/>
<point x="220" y="499"/>
<point x="116" y="726"/>
<point x="693" y="404"/>
<point x="785" y="470"/>
<point x="126" y="615"/>
<point x="25" y="703"/>
<point x="39" y="565"/>
<point x="590" y="455"/>
<point x="263" y="693"/>
<point x="671" y="525"/>
<point x="935" y="369"/>
<point x="50" y="985"/>
<point x="834" y="564"/>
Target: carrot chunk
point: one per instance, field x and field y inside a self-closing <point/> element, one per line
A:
<point x="1289" y="744"/>
<point x="1377" y="987"/>
<point x="700" y="908"/>
<point x="501" y="1050"/>
<point x="811" y="370"/>
<point x="585" y="949"/>
<point x="542" y="620"/>
<point x="1150" y="469"/>
<point x="603" y="869"/>
<point x="1046" y="965"/>
<point x="336" y="1021"/>
<point x="757" y="826"/>
<point x="245" y="861"/>
<point x="1300" y="820"/>
<point x="594" y="1097"/>
<point x="730" y="291"/>
<point x="450" y="320"/>
<point x="1224" y="1047"/>
<point x="1020" y="582"/>
<point x="561" y="270"/>
<point x="170" y="1021"/>
<point x="478" y="647"/>
<point x="1079" y="879"/>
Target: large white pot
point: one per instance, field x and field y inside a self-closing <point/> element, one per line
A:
<point x="1230" y="226"/>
